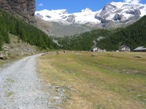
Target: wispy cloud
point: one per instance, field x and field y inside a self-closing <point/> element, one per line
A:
<point x="132" y="1"/>
<point x="41" y="4"/>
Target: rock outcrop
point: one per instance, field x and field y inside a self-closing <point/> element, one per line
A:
<point x="24" y="8"/>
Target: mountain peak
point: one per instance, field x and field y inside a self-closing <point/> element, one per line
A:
<point x="121" y="12"/>
<point x="88" y="10"/>
<point x="61" y="11"/>
<point x="118" y="4"/>
<point x="132" y="1"/>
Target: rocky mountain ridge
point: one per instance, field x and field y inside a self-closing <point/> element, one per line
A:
<point x="114" y="12"/>
<point x="24" y="8"/>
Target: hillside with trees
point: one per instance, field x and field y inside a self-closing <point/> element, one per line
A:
<point x="132" y="36"/>
<point x="24" y="31"/>
<point x="83" y="41"/>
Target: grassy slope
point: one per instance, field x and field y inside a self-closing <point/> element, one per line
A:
<point x="106" y="80"/>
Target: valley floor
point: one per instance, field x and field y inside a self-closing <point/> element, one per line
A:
<point x="97" y="80"/>
<point x="75" y="80"/>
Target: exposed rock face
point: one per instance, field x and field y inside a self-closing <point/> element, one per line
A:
<point x="25" y="8"/>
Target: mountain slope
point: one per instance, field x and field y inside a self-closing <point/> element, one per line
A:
<point x="24" y="31"/>
<point x="114" y="11"/>
<point x="83" y="41"/>
<point x="24" y="8"/>
<point x="113" y="15"/>
<point x="60" y="30"/>
<point x="133" y="36"/>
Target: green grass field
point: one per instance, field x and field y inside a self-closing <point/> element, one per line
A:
<point x="97" y="80"/>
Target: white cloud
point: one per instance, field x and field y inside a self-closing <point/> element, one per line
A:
<point x="132" y="1"/>
<point x="41" y="4"/>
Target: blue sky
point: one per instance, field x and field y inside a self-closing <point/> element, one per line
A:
<point x="76" y="5"/>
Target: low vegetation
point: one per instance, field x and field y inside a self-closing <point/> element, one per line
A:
<point x="97" y="81"/>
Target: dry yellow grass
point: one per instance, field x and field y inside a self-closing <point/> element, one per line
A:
<point x="106" y="80"/>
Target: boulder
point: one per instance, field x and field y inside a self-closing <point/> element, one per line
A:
<point x="3" y="57"/>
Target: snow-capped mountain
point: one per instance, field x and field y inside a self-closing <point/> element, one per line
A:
<point x="119" y="11"/>
<point x="114" y="11"/>
<point x="62" y="16"/>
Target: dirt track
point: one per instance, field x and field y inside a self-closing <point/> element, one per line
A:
<point x="20" y="87"/>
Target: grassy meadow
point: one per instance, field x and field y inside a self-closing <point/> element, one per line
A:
<point x="97" y="80"/>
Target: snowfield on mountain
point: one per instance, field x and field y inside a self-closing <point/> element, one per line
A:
<point x="114" y="11"/>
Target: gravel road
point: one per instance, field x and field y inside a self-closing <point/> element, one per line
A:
<point x="20" y="88"/>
